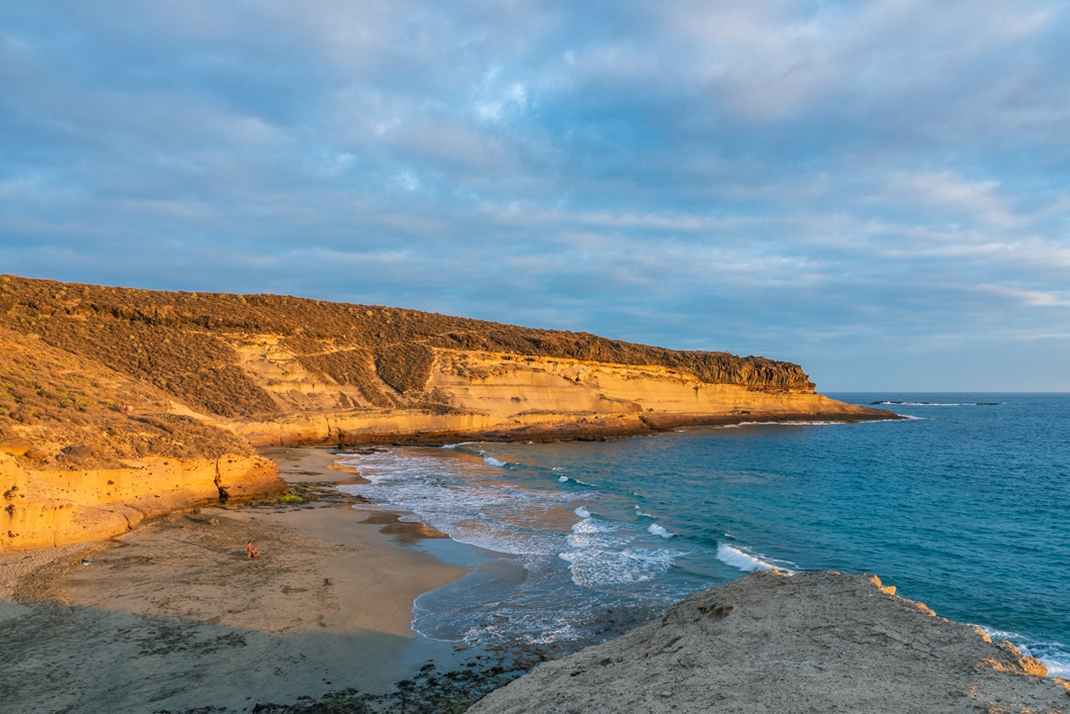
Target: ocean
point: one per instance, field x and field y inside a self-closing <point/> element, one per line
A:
<point x="964" y="506"/>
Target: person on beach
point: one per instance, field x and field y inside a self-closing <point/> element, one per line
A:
<point x="250" y="551"/>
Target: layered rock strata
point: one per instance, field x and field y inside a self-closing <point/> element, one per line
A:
<point x="287" y="371"/>
<point x="78" y="462"/>
<point x="111" y="396"/>
<point x="773" y="643"/>
<point x="44" y="508"/>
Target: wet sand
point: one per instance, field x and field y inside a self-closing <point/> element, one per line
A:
<point x="173" y="616"/>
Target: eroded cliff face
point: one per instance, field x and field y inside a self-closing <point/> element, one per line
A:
<point x="502" y="396"/>
<point x="120" y="403"/>
<point x="202" y="349"/>
<point x="52" y="507"/>
<point x="282" y="370"/>
<point x="79" y="461"/>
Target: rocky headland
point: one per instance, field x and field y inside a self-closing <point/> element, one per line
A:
<point x="812" y="642"/>
<point x="117" y="404"/>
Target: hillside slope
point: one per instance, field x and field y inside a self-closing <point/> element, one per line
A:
<point x="117" y="404"/>
<point x="284" y="370"/>
<point x="76" y="467"/>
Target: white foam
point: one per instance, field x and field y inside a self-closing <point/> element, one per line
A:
<point x="594" y="568"/>
<point x="560" y="538"/>
<point x="1058" y="665"/>
<point x="491" y="461"/>
<point x="597" y="533"/>
<point x="640" y="512"/>
<point x="463" y="508"/>
<point x="595" y="525"/>
<point x="597" y="538"/>
<point x="789" y="423"/>
<point x="657" y="530"/>
<point x="1055" y="656"/>
<point x="744" y="561"/>
<point x="454" y="446"/>
<point x="938" y="404"/>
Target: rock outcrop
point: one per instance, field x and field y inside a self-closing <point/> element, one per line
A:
<point x="79" y="463"/>
<point x="773" y="643"/>
<point x="43" y="508"/>
<point x="286" y="371"/>
<point x="119" y="403"/>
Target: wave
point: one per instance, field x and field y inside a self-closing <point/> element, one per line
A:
<point x="640" y="512"/>
<point x="487" y="458"/>
<point x="657" y="530"/>
<point x="1054" y="655"/>
<point x="591" y="533"/>
<point x="462" y="507"/>
<point x="594" y="568"/>
<point x="562" y="479"/>
<point x="901" y="403"/>
<point x="582" y="512"/>
<point x="745" y="561"/>
<point x="815" y="422"/>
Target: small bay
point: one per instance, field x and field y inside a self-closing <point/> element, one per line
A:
<point x="963" y="506"/>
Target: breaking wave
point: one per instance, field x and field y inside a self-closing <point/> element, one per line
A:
<point x="745" y="561"/>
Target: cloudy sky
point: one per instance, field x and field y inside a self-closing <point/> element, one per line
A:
<point x="879" y="190"/>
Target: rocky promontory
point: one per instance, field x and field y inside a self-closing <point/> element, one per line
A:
<point x="280" y="370"/>
<point x="119" y="403"/>
<point x="812" y="642"/>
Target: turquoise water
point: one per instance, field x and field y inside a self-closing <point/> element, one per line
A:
<point x="965" y="507"/>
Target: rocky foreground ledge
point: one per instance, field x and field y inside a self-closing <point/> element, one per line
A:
<point x="812" y="642"/>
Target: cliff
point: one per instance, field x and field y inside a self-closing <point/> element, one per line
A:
<point x="772" y="643"/>
<point x="284" y="370"/>
<point x="76" y="467"/>
<point x="165" y="392"/>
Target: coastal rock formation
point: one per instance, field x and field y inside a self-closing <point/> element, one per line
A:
<point x="77" y="463"/>
<point x="44" y="508"/>
<point x="286" y="371"/>
<point x="120" y="403"/>
<point x="773" y="643"/>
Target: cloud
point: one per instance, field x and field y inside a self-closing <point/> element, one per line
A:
<point x="495" y="98"/>
<point x="803" y="180"/>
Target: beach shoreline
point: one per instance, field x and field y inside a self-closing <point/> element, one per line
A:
<point x="173" y="616"/>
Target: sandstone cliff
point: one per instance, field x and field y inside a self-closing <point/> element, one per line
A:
<point x="283" y="370"/>
<point x="76" y="466"/>
<point x="119" y="403"/>
<point x="773" y="643"/>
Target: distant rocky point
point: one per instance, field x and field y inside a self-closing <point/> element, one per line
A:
<point x="117" y="403"/>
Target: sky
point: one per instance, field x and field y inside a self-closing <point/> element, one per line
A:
<point x="879" y="191"/>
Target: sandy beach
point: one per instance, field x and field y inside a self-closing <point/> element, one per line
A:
<point x="173" y="616"/>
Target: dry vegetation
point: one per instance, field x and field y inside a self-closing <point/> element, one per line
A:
<point x="354" y="367"/>
<point x="182" y="343"/>
<point x="60" y="410"/>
